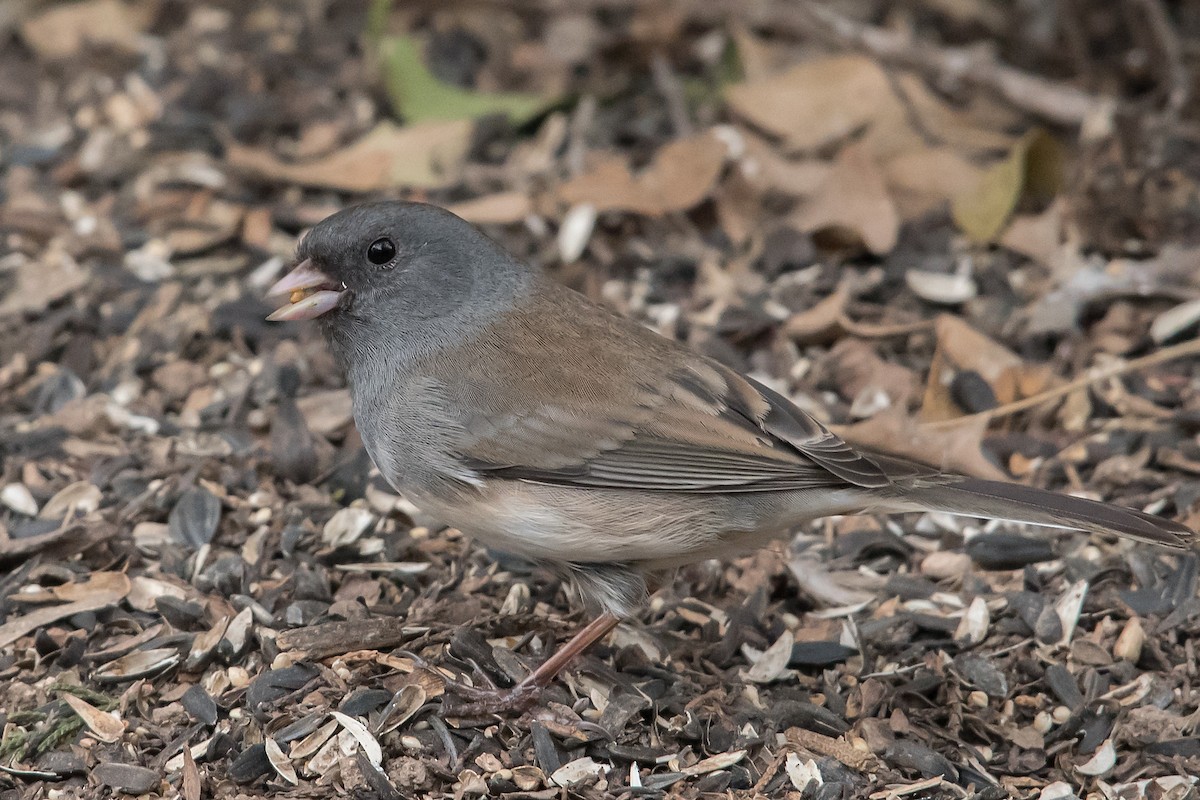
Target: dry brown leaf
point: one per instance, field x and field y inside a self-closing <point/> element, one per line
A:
<point x="12" y="549"/>
<point x="61" y="31"/>
<point x="428" y="155"/>
<point x="1040" y="237"/>
<point x="96" y="582"/>
<point x="107" y="588"/>
<point x="757" y="59"/>
<point x="967" y="348"/>
<point x="815" y="103"/>
<point x="955" y="449"/>
<point x="820" y="102"/>
<point x="503" y="208"/>
<point x="927" y="177"/>
<point x="34" y="284"/>
<point x="681" y="175"/>
<point x="912" y="118"/>
<point x="961" y="347"/>
<point x="937" y="404"/>
<point x="819" y="323"/>
<point x="860" y="373"/>
<point x="767" y="170"/>
<point x="739" y="207"/>
<point x="853" y="199"/>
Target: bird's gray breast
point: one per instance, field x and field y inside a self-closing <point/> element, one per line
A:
<point x="410" y="432"/>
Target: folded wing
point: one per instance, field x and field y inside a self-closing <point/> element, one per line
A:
<point x="653" y="416"/>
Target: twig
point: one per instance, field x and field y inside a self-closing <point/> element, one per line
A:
<point x="1177" y="78"/>
<point x="911" y="114"/>
<point x="1056" y="102"/>
<point x="865" y="330"/>
<point x="772" y="770"/>
<point x="1074" y="40"/>
<point x="839" y="749"/>
<point x="801" y="739"/>
<point x="1173" y="353"/>
<point x="936" y="782"/>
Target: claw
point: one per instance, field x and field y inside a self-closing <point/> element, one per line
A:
<point x="492" y="702"/>
<point x="483" y="701"/>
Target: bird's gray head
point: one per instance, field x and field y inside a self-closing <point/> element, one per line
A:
<point x="397" y="270"/>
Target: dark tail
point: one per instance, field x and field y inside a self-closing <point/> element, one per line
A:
<point x="1018" y="503"/>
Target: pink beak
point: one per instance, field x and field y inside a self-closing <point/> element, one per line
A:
<point x="305" y="303"/>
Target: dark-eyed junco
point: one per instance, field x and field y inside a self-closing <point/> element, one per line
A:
<point x="542" y="424"/>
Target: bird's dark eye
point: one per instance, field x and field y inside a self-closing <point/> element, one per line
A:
<point x="381" y="251"/>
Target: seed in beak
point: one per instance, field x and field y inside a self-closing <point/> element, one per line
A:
<point x="297" y="296"/>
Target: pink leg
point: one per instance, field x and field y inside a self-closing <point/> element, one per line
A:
<point x="521" y="696"/>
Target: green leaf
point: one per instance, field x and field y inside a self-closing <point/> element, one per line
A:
<point x="1033" y="170"/>
<point x="729" y="69"/>
<point x="418" y="95"/>
<point x="377" y="16"/>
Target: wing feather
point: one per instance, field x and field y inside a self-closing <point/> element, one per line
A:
<point x="647" y="414"/>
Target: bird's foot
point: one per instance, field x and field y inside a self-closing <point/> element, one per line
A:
<point x="493" y="700"/>
<point x="521" y="702"/>
<point x="483" y="702"/>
